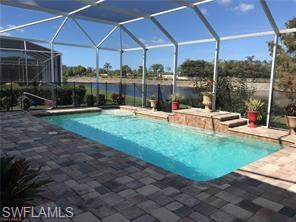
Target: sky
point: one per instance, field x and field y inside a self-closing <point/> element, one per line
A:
<point x="228" y="17"/>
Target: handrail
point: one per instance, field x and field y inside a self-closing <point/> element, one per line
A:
<point x="50" y="103"/>
<point x="38" y="97"/>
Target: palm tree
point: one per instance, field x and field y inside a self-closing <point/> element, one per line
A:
<point x="107" y="67"/>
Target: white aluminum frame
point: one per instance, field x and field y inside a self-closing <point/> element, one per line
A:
<point x="274" y="54"/>
<point x="175" y="43"/>
<point x="97" y="74"/>
<point x="120" y="59"/>
<point x="140" y="16"/>
<point x="26" y="62"/>
<point x="144" y="73"/>
<point x="84" y="32"/>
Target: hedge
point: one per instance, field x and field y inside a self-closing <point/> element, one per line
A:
<point x="65" y="94"/>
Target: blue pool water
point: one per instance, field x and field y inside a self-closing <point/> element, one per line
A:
<point x="193" y="153"/>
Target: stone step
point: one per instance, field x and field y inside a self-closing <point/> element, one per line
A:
<point x="153" y="114"/>
<point x="229" y="116"/>
<point x="235" y="122"/>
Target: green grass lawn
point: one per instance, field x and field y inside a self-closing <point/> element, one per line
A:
<point x="279" y="122"/>
<point x="129" y="100"/>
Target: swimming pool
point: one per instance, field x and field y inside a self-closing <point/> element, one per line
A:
<point x="197" y="154"/>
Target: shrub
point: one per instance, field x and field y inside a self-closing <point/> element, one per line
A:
<point x="26" y="102"/>
<point x="291" y="109"/>
<point x="90" y="99"/>
<point x="232" y="93"/>
<point x="203" y="85"/>
<point x="102" y="100"/>
<point x="78" y="95"/>
<point x="19" y="182"/>
<point x="114" y="96"/>
<point x="75" y="100"/>
<point x="262" y="117"/>
<point x="80" y="92"/>
<point x="12" y="84"/>
<point x="5" y="91"/>
<point x="6" y="103"/>
<point x="117" y="99"/>
<point x="64" y="93"/>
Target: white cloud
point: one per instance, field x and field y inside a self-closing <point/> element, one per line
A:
<point x="204" y="11"/>
<point x="224" y="2"/>
<point x="4" y="33"/>
<point x="152" y="41"/>
<point x="31" y="2"/>
<point x="8" y="33"/>
<point x="244" y="7"/>
<point x="12" y="26"/>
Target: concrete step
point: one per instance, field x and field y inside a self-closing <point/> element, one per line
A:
<point x="229" y="116"/>
<point x="153" y="114"/>
<point x="235" y="122"/>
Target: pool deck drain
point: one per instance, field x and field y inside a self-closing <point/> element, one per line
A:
<point x="102" y="184"/>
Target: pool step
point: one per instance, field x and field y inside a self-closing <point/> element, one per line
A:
<point x="228" y="116"/>
<point x="235" y="122"/>
<point x="152" y="114"/>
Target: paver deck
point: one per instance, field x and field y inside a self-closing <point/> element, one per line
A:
<point x="68" y="111"/>
<point x="103" y="184"/>
<point x="280" y="136"/>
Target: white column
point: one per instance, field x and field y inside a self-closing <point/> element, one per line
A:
<point x="26" y="62"/>
<point x="121" y="63"/>
<point x="97" y="74"/>
<point x="52" y="63"/>
<point x="144" y="78"/>
<point x="175" y="68"/>
<point x="215" y="76"/>
<point x="272" y="77"/>
<point x="61" y="69"/>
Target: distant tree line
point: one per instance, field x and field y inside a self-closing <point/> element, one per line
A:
<point x="286" y="62"/>
<point x="248" y="68"/>
<point x="127" y="71"/>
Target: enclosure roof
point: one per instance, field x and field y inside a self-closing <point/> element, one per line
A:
<point x="35" y="51"/>
<point x="19" y="44"/>
<point x="119" y="13"/>
<point x="105" y="11"/>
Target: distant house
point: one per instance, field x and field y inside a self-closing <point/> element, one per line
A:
<point x="169" y="77"/>
<point x="24" y="61"/>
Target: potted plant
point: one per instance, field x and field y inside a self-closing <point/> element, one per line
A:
<point x="253" y="107"/>
<point x="20" y="184"/>
<point x="153" y="103"/>
<point x="291" y="118"/>
<point x="175" y="98"/>
<point x="204" y="87"/>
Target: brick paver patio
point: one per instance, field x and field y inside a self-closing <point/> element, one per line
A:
<point x="103" y="184"/>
